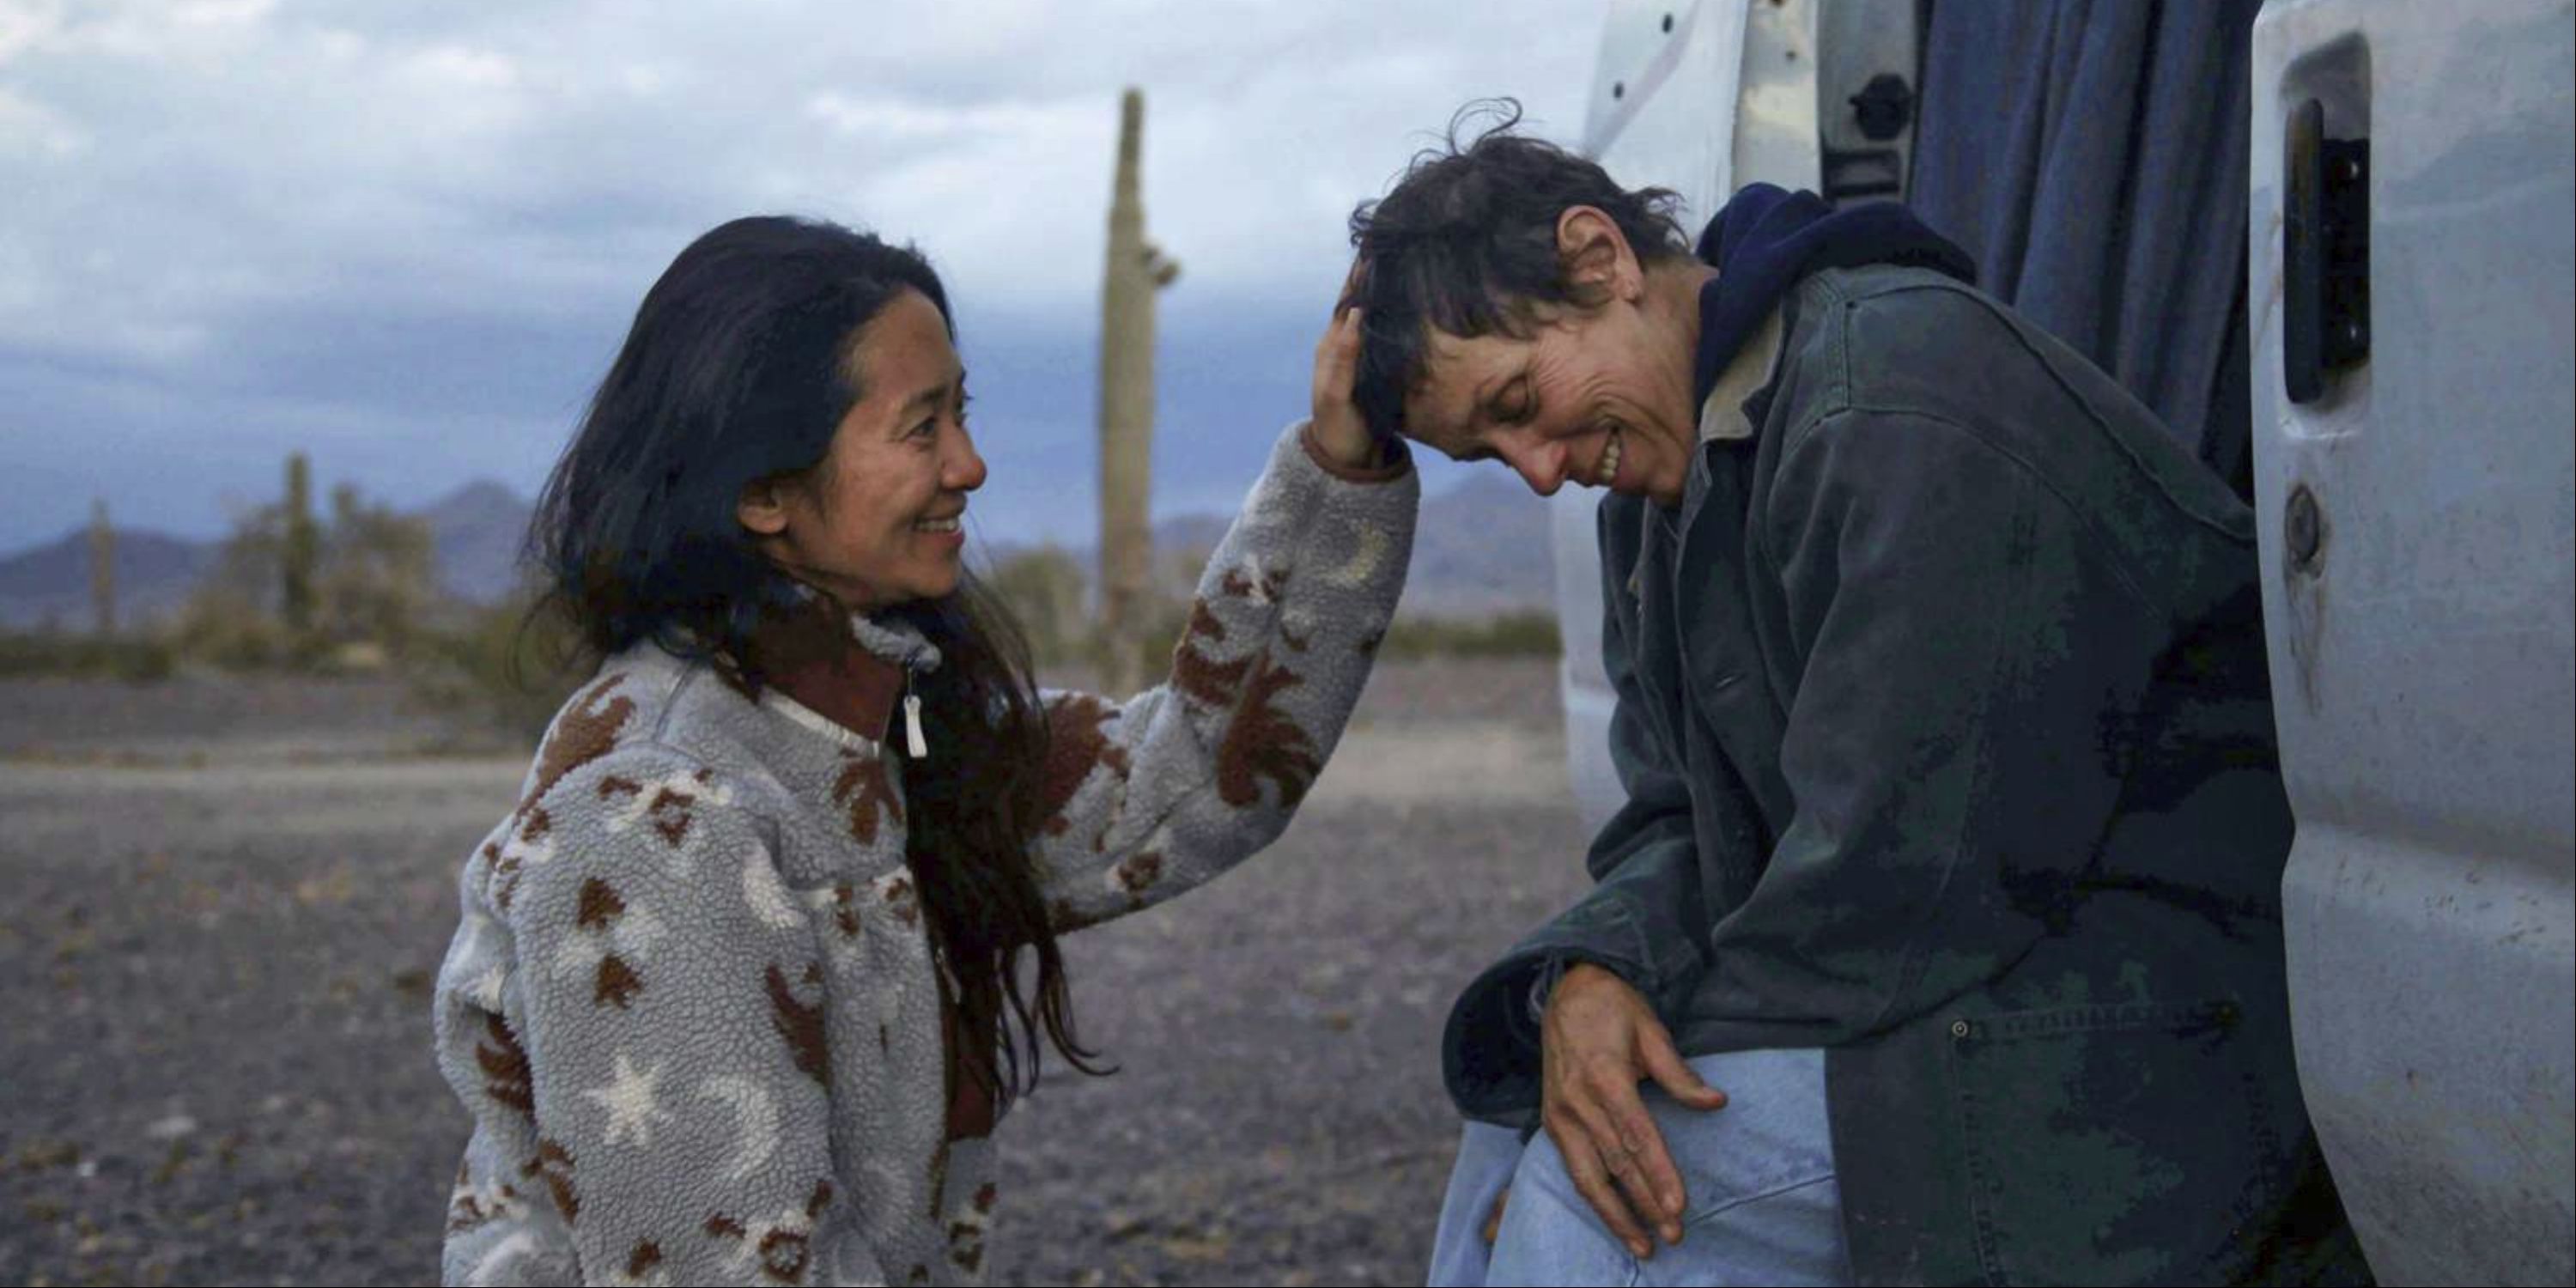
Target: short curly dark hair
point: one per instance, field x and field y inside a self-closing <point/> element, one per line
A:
<point x="1466" y="243"/>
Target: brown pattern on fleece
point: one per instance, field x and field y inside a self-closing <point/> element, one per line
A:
<point x="785" y="1248"/>
<point x="615" y="983"/>
<point x="553" y="1165"/>
<point x="465" y="1209"/>
<point x="868" y="794"/>
<point x="746" y="841"/>
<point x="1272" y="585"/>
<point x="801" y="1024"/>
<point x="966" y="1246"/>
<point x="584" y="732"/>
<point x="643" y="1259"/>
<point x="672" y="811"/>
<point x="1076" y="746"/>
<point x="1067" y="916"/>
<point x="1137" y="873"/>
<point x="504" y="876"/>
<point x="1199" y="677"/>
<point x="505" y="1067"/>
<point x="1262" y="742"/>
<point x="599" y="905"/>
<point x="899" y="898"/>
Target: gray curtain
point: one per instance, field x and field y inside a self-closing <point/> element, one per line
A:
<point x="2091" y="155"/>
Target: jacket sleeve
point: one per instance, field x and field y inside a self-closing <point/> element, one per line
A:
<point x="668" y="1012"/>
<point x="1151" y="796"/>
<point x="1974" y="660"/>
<point x="1644" y="919"/>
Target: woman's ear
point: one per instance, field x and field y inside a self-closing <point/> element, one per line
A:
<point x="1595" y="258"/>
<point x="762" y="507"/>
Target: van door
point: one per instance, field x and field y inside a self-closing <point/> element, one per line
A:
<point x="2413" y="224"/>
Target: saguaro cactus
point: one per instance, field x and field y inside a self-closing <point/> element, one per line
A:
<point x="102" y="568"/>
<point x="1136" y="269"/>
<point x="301" y="553"/>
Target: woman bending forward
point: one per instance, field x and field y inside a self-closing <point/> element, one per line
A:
<point x="735" y="995"/>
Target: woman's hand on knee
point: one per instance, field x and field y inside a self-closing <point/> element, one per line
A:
<point x="1599" y="1040"/>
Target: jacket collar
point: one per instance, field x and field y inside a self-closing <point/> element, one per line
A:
<point x="1721" y="416"/>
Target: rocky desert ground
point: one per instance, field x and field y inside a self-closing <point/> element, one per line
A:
<point x="228" y="900"/>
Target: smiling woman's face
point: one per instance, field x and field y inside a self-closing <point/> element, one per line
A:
<point x="880" y="519"/>
<point x="1597" y="394"/>
<point x="1597" y="397"/>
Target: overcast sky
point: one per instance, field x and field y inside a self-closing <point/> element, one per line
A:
<point x="406" y="238"/>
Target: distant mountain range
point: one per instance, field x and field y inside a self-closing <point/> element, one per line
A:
<point x="1481" y="547"/>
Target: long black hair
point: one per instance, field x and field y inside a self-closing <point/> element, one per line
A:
<point x="739" y="367"/>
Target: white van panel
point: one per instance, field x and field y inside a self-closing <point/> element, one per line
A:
<point x="1665" y="112"/>
<point x="2424" y="648"/>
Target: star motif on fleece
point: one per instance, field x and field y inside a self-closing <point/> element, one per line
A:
<point x="628" y="1098"/>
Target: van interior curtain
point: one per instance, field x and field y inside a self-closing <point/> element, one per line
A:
<point x="2091" y="155"/>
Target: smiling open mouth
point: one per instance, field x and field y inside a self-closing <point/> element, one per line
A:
<point x="1607" y="468"/>
<point x="949" y="524"/>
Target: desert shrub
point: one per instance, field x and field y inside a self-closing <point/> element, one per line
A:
<point x="1525" y="633"/>
<point x="1045" y="590"/>
<point x="513" y="666"/>
<point x="138" y="658"/>
<point x="286" y="592"/>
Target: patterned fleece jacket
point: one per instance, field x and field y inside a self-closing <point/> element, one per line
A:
<point x="691" y="1005"/>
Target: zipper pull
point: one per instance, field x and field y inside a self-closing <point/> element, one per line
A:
<point x="914" y="743"/>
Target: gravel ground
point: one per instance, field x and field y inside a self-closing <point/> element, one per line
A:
<point x="230" y="901"/>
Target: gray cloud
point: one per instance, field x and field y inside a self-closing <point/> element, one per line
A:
<point x="406" y="238"/>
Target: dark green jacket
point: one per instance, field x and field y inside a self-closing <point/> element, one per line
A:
<point x="1944" y="720"/>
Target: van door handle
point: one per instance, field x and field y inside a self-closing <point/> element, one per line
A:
<point x="2325" y="254"/>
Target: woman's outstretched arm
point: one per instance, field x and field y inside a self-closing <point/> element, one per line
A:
<point x="1149" y="797"/>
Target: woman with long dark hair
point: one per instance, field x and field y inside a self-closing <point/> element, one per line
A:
<point x="740" y="986"/>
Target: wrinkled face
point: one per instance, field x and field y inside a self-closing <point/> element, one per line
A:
<point x="880" y="520"/>
<point x="1599" y="397"/>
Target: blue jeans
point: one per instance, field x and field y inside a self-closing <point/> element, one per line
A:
<point x="1762" y="1206"/>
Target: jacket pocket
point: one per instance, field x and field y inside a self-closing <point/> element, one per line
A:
<point x="2113" y="1143"/>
